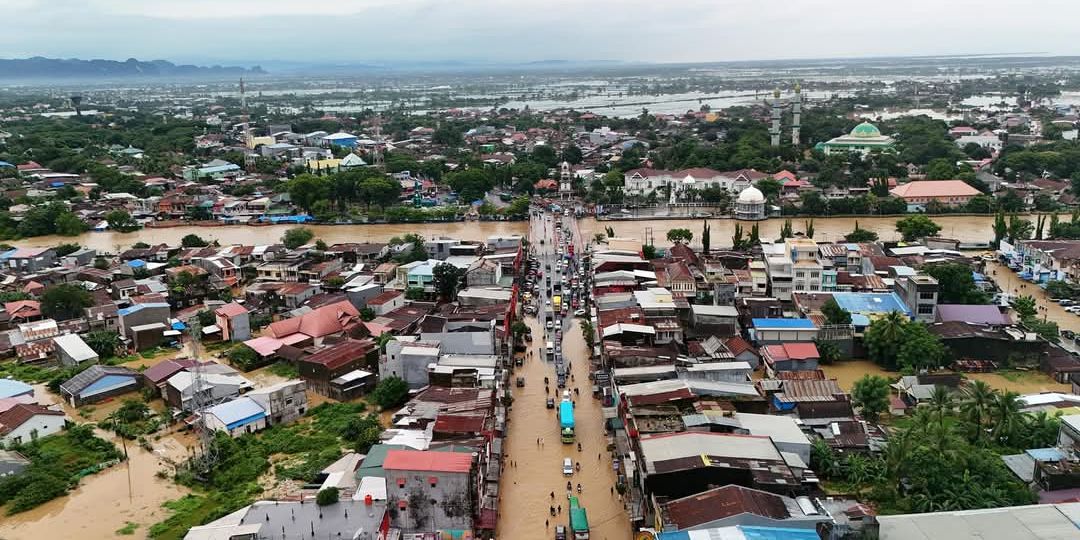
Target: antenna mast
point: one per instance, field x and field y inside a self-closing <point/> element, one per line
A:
<point x="206" y="456"/>
<point x="244" y="113"/>
<point x="378" y="139"/>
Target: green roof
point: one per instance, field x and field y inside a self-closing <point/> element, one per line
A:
<point x="373" y="461"/>
<point x="865" y="129"/>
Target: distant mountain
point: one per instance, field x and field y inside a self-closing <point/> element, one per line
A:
<point x="74" y="68"/>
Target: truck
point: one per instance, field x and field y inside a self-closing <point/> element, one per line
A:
<point x="579" y="520"/>
<point x="566" y="420"/>
<point x="556" y="302"/>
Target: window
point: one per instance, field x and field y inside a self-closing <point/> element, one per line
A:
<point x="800" y="274"/>
<point x="401" y="482"/>
<point x="926" y="309"/>
<point x="927" y="295"/>
<point x="815" y="275"/>
<point x="433" y="480"/>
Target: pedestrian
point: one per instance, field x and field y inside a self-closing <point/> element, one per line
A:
<point x="598" y="457"/>
<point x="547" y="524"/>
<point x="612" y="490"/>
<point x="560" y="509"/>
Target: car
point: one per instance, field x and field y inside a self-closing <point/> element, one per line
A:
<point x="520" y="382"/>
<point x="579" y="313"/>
<point x="548" y="302"/>
<point x="550" y="324"/>
<point x="560" y="532"/>
<point x="568" y="467"/>
<point x="550" y="403"/>
<point x="1068" y="334"/>
<point x="1066" y="302"/>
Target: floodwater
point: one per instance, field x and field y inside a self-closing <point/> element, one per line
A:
<point x="1010" y="283"/>
<point x="827" y="229"/>
<point x="526" y="489"/>
<point x="243" y="234"/>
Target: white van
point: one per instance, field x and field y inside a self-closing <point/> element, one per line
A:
<point x="567" y="467"/>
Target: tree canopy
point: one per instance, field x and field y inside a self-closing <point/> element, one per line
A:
<point x="915" y="227"/>
<point x="65" y="301"/>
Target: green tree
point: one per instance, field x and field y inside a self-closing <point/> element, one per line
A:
<point x="447" y="278"/>
<point x="193" y="241"/>
<point x="327" y="496"/>
<point x="121" y="221"/>
<point x="737" y="241"/>
<point x="367" y="314"/>
<point x="296" y="237"/>
<point x="956" y="284"/>
<point x="65" y="301"/>
<point x="912" y="228"/>
<point x="809" y="228"/>
<point x="834" y="314"/>
<point x="1001" y="228"/>
<point x="680" y="236"/>
<point x="244" y="358"/>
<point x="63" y="250"/>
<point x="390" y="392"/>
<point x="648" y="251"/>
<point x="103" y="342"/>
<point x="1019" y="229"/>
<point x="871" y="394"/>
<point x="860" y="235"/>
<point x="883" y="338"/>
<point x="920" y="349"/>
<point x="1025" y="307"/>
<point x="705" y="239"/>
<point x="786" y="231"/>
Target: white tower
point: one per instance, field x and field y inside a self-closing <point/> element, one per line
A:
<point x="774" y="129"/>
<point x="566" y="181"/>
<point x="796" y="114"/>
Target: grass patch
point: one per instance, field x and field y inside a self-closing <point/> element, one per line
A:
<point x="57" y="462"/>
<point x="26" y="373"/>
<point x="285" y="369"/>
<point x="304" y="448"/>
<point x="128" y="529"/>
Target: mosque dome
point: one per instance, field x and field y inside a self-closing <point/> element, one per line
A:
<point x="751" y="195"/>
<point x="865" y="130"/>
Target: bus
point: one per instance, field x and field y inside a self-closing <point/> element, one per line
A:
<point x="579" y="520"/>
<point x="566" y="420"/>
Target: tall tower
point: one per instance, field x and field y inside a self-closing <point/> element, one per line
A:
<point x="796" y="114"/>
<point x="247" y="119"/>
<point x="774" y="129"/>
<point x="566" y="181"/>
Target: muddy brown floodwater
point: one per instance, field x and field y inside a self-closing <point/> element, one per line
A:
<point x="526" y="488"/>
<point x="828" y="229"/>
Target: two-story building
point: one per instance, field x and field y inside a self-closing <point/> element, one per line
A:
<point x="431" y="491"/>
<point x="920" y="293"/>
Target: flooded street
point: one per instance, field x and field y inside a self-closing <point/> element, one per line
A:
<point x="827" y="229"/>
<point x="1010" y="283"/>
<point x="527" y="487"/>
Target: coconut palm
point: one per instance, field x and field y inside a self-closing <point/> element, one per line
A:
<point x="1007" y="419"/>
<point x="941" y="402"/>
<point x="978" y="398"/>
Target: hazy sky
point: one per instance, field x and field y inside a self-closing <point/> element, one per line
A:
<point x="527" y="30"/>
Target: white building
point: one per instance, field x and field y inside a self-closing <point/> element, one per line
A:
<point x="750" y="205"/>
<point x="795" y="266"/>
<point x="27" y="422"/>
<point x="644" y="181"/>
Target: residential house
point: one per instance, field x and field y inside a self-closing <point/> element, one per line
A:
<point x="790" y="357"/>
<point x="28" y="259"/>
<point x="920" y="292"/>
<point x="144" y="324"/>
<point x="26" y="422"/>
<point x="766" y="331"/>
<point x="98" y="383"/>
<point x="334" y="361"/>
<point x="234" y="322"/>
<point x="408" y="359"/>
<point x="919" y="194"/>
<point x="216" y="383"/>
<point x="386" y="302"/>
<point x="483" y="272"/>
<point x="444" y="483"/>
<point x="72" y="351"/>
<point x="735" y="505"/>
<point x="21" y="311"/>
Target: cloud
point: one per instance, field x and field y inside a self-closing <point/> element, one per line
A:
<point x="526" y="30"/>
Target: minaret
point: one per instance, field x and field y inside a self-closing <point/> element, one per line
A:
<point x="796" y="113"/>
<point x="247" y="119"/>
<point x="774" y="130"/>
<point x="566" y="181"/>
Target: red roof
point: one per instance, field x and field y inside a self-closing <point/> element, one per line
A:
<point x="415" y="460"/>
<point x="792" y="351"/>
<point x="737" y="345"/>
<point x="448" y="423"/>
<point x="23" y="308"/>
<point x="342" y="354"/>
<point x="384" y="297"/>
<point x="320" y="322"/>
<point x="232" y="309"/>
<point x="20" y="414"/>
<point x="935" y="188"/>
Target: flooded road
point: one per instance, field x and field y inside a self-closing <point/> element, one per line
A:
<point x="527" y="487"/>
<point x="827" y="229"/>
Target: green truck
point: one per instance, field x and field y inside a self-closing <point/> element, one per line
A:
<point x="579" y="520"/>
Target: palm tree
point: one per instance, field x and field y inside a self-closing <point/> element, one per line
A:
<point x="1007" y="418"/>
<point x="979" y="397"/>
<point x="941" y="402"/>
<point x="886" y="335"/>
<point x="1041" y="430"/>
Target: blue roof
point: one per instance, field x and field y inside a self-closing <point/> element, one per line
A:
<point x="1046" y="454"/>
<point x="137" y="263"/>
<point x="858" y="319"/>
<point x="871" y="303"/>
<point x="56" y="184"/>
<point x="137" y="307"/>
<point x="742" y="532"/>
<point x="12" y="388"/>
<point x="238" y="412"/>
<point x="802" y="324"/>
<point x="5" y="164"/>
<point x="179" y="326"/>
